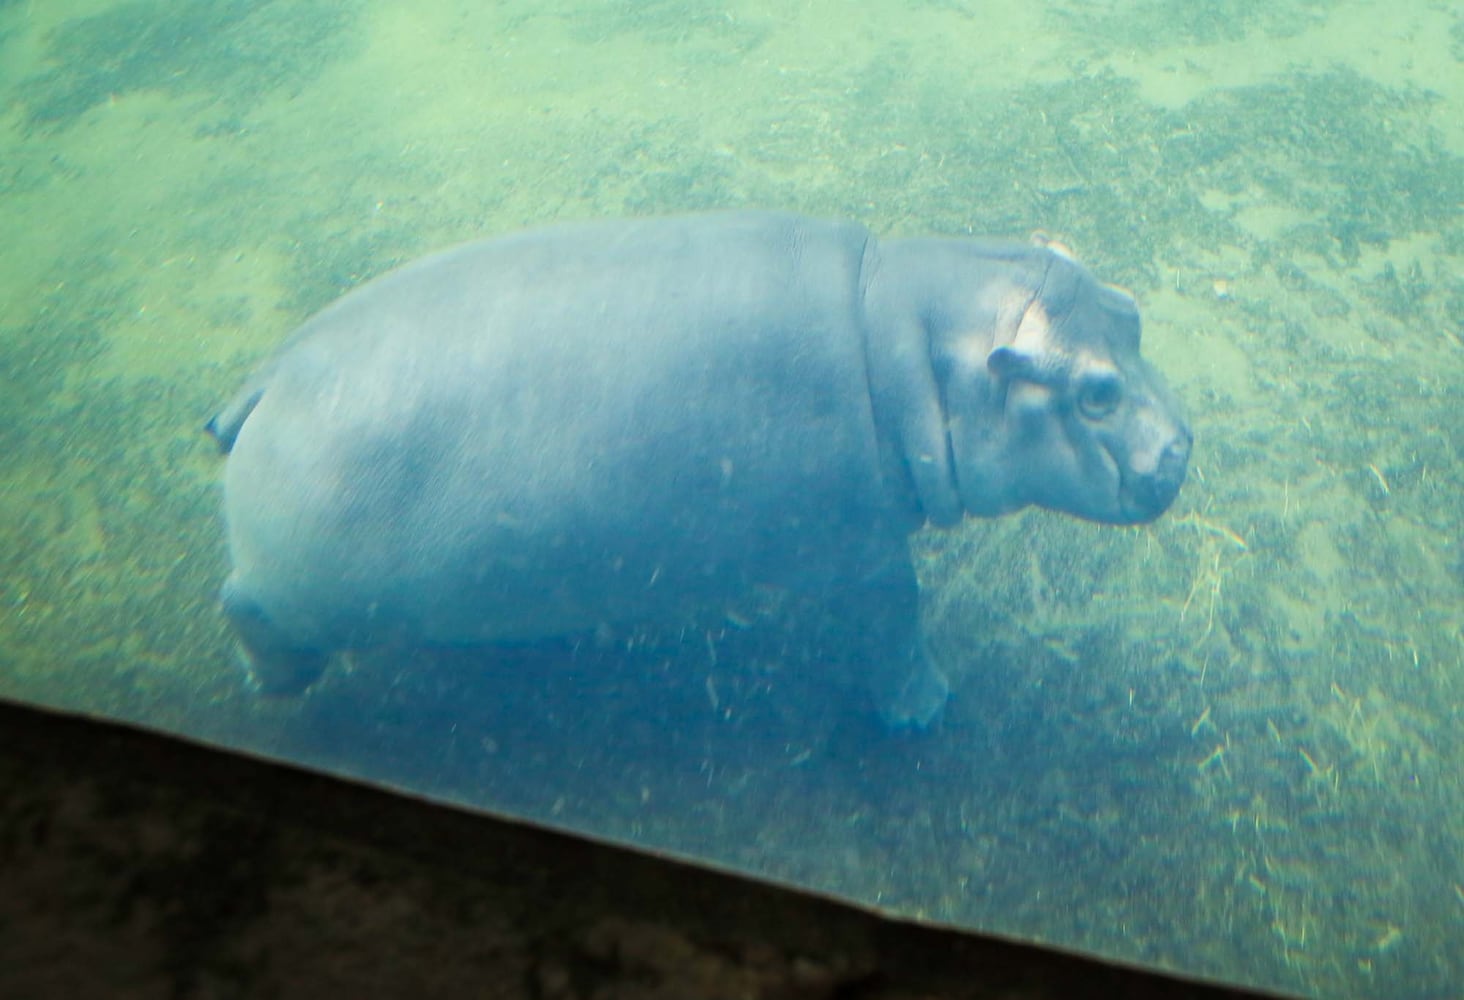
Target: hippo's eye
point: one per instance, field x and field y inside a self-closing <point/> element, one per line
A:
<point x="1099" y="394"/>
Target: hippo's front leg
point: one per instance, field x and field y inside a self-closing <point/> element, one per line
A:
<point x="880" y="611"/>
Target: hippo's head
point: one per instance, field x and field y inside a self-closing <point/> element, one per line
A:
<point x="1058" y="409"/>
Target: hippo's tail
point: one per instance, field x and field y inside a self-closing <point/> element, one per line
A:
<point x="224" y="426"/>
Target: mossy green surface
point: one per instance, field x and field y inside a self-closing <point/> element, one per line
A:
<point x="1226" y="744"/>
<point x="232" y="51"/>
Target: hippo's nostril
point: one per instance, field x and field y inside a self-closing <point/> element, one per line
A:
<point x="1176" y="457"/>
<point x="1169" y="476"/>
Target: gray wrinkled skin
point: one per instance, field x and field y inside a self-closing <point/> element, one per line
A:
<point x="622" y="423"/>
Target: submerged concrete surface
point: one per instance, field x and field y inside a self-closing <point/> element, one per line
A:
<point x="138" y="866"/>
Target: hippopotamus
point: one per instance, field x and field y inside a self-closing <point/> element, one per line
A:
<point x="629" y="423"/>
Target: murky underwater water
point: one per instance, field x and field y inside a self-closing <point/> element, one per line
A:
<point x="1226" y="744"/>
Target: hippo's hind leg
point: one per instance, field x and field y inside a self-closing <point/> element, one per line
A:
<point x="276" y="665"/>
<point x="916" y="690"/>
<point x="882" y="612"/>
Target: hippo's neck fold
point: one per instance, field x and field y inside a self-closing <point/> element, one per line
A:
<point x="934" y="309"/>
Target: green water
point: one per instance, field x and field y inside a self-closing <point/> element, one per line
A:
<point x="1227" y="744"/>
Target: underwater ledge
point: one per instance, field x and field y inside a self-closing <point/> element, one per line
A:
<point x="138" y="864"/>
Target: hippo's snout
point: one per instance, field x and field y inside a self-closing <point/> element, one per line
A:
<point x="1150" y="495"/>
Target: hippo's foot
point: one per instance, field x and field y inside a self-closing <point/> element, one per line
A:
<point x="275" y="665"/>
<point x="915" y="698"/>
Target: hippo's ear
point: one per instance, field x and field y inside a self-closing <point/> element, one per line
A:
<point x="1042" y="238"/>
<point x="1015" y="364"/>
<point x="1007" y="363"/>
<point x="1120" y="305"/>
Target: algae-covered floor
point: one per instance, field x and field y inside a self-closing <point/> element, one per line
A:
<point x="1227" y="743"/>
